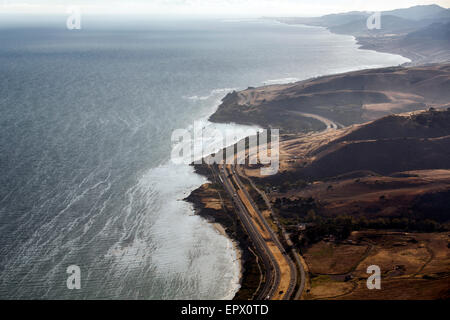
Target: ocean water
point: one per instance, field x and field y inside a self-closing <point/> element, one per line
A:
<point x="86" y="119"/>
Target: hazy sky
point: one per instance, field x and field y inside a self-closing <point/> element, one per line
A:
<point x="212" y="7"/>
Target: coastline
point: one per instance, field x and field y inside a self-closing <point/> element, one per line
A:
<point x="227" y="223"/>
<point x="366" y="43"/>
<point x="423" y="54"/>
<point x="220" y="229"/>
<point x="427" y="53"/>
<point x="220" y="213"/>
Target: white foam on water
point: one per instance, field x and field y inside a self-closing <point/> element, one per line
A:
<point x="152" y="245"/>
<point x="213" y="94"/>
<point x="282" y="80"/>
<point x="186" y="251"/>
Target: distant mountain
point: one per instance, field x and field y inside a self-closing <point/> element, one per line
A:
<point x="419" y="12"/>
<point x="443" y="15"/>
<point x="390" y="24"/>
<point x="329" y="20"/>
<point x="342" y="18"/>
<point x="435" y="31"/>
<point x="399" y="21"/>
<point x="425" y="13"/>
<point x="419" y="33"/>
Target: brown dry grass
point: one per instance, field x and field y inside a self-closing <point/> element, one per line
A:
<point x="209" y="197"/>
<point x="354" y="195"/>
<point x="413" y="266"/>
<point x="325" y="287"/>
<point x="402" y="289"/>
<point x="330" y="258"/>
<point x="441" y="253"/>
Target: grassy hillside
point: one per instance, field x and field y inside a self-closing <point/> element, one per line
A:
<point x="348" y="98"/>
<point x="392" y="144"/>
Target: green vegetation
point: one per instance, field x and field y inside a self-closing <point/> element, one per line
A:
<point x="282" y="182"/>
<point x="295" y="210"/>
<point x="341" y="227"/>
<point x="427" y="214"/>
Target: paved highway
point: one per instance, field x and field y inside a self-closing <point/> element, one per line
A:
<point x="294" y="251"/>
<point x="272" y="273"/>
<point x="281" y="273"/>
<point x="330" y="124"/>
<point x="289" y="275"/>
<point x="280" y="282"/>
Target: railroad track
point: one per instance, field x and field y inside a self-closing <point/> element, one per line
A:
<point x="274" y="237"/>
<point x="272" y="267"/>
<point x="272" y="272"/>
<point x="294" y="251"/>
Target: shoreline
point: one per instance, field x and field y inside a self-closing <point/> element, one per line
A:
<point x="373" y="44"/>
<point x="221" y="230"/>
<point x="225" y="222"/>
<point x="225" y="227"/>
<point x="366" y="44"/>
<point x="432" y="52"/>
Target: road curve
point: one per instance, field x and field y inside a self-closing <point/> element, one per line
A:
<point x="330" y="124"/>
<point x="257" y="226"/>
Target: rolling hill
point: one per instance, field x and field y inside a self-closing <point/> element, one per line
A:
<point x="348" y="98"/>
